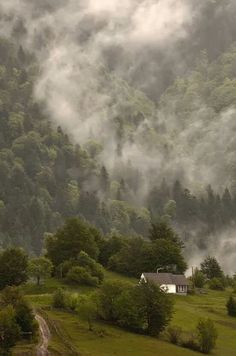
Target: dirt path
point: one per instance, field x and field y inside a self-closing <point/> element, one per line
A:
<point x="42" y="349"/>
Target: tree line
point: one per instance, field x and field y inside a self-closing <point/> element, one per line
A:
<point x="44" y="177"/>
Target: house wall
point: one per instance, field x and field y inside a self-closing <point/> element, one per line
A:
<point x="170" y="288"/>
<point x="143" y="278"/>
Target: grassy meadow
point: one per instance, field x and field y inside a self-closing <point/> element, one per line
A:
<point x="70" y="335"/>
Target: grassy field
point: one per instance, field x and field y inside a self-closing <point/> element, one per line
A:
<point x="190" y="309"/>
<point x="70" y="335"/>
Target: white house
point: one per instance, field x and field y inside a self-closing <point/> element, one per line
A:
<point x="170" y="283"/>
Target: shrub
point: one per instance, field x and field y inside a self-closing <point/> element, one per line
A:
<point x="174" y="334"/>
<point x="24" y="315"/>
<point x="107" y="296"/>
<point x="64" y="268"/>
<point x="207" y="335"/>
<point x="128" y="314"/>
<point x="81" y="276"/>
<point x="198" y="279"/>
<point x="229" y="281"/>
<point x="216" y="284"/>
<point x="190" y="342"/>
<point x="59" y="299"/>
<point x="25" y="318"/>
<point x="231" y="306"/>
<point x="87" y="310"/>
<point x="143" y="308"/>
<point x="95" y="269"/>
<point x="13" y="267"/>
<point x="11" y="295"/>
<point x="71" y="301"/>
<point x="9" y="329"/>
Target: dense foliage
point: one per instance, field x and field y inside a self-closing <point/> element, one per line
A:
<point x="75" y="236"/>
<point x="45" y="178"/>
<point x="141" y="308"/>
<point x="231" y="306"/>
<point x="198" y="278"/>
<point x="17" y="319"/>
<point x="210" y="268"/>
<point x="39" y="268"/>
<point x="207" y="335"/>
<point x="75" y="247"/>
<point x="83" y="270"/>
<point x="203" y="339"/>
<point x="13" y="267"/>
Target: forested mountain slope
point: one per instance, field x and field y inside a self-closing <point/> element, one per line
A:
<point x="46" y="178"/>
<point x="41" y="171"/>
<point x="36" y="188"/>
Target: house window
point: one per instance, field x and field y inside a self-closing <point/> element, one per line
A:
<point x="181" y="289"/>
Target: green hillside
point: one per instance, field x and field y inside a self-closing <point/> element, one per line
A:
<point x="117" y="158"/>
<point x="69" y="332"/>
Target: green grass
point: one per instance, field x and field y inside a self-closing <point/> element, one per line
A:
<point x="190" y="309"/>
<point x="49" y="285"/>
<point x="70" y="333"/>
<point x="112" y="275"/>
<point x="24" y="348"/>
<point x="113" y="341"/>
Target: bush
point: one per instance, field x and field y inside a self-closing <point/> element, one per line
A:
<point x="107" y="295"/>
<point x="81" y="270"/>
<point x="87" y="310"/>
<point x="190" y="342"/>
<point x="216" y="284"/>
<point x="24" y="315"/>
<point x="231" y="306"/>
<point x="79" y="275"/>
<point x="64" y="267"/>
<point x="229" y="281"/>
<point x="13" y="267"/>
<point x="9" y="329"/>
<point x="128" y="314"/>
<point x="174" y="334"/>
<point x="95" y="269"/>
<point x="71" y="301"/>
<point x="143" y="308"/>
<point x="25" y="318"/>
<point x="11" y="295"/>
<point x="207" y="335"/>
<point x="198" y="279"/>
<point x="59" y="299"/>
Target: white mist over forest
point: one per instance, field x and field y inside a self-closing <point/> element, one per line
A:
<point x="102" y="60"/>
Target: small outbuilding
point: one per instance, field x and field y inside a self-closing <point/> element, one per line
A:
<point x="168" y="282"/>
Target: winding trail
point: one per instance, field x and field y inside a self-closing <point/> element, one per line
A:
<point x="42" y="349"/>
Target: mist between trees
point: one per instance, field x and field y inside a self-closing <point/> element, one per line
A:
<point x="99" y="119"/>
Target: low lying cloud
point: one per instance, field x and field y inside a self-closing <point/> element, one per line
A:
<point x="220" y="245"/>
<point x="85" y="48"/>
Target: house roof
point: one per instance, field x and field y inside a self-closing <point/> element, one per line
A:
<point x="166" y="278"/>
